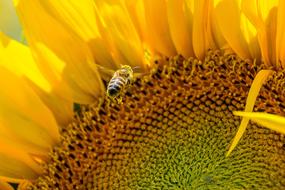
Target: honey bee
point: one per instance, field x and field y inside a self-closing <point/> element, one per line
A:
<point x="120" y="81"/>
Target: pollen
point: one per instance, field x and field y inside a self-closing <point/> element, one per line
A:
<point x="172" y="131"/>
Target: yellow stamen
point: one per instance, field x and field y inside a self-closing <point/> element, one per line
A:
<point x="271" y="121"/>
<point x="253" y="92"/>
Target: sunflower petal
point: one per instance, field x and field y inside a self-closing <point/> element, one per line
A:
<point x="233" y="27"/>
<point x="200" y="27"/>
<point x="12" y="168"/>
<point x="23" y="185"/>
<point x="263" y="15"/>
<point x="214" y="30"/>
<point x="5" y="186"/>
<point x="80" y="17"/>
<point x="180" y="27"/>
<point x="137" y="14"/>
<point x="280" y="34"/>
<point x="23" y="115"/>
<point x="27" y="129"/>
<point x="270" y="121"/>
<point x="250" y="101"/>
<point x="115" y="27"/>
<point x="69" y="80"/>
<point x="62" y="109"/>
<point x="8" y="49"/>
<point x="12" y="56"/>
<point x="157" y="27"/>
<point x="19" y="160"/>
<point x="60" y="52"/>
<point x="136" y="11"/>
<point x="77" y="15"/>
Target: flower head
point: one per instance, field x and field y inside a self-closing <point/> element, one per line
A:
<point x="204" y="64"/>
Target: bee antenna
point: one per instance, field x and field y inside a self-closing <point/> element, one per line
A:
<point x="136" y="68"/>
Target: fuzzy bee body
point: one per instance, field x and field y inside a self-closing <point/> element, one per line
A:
<point x="115" y="86"/>
<point x="121" y="79"/>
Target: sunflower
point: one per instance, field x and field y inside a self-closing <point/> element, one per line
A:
<point x="206" y="112"/>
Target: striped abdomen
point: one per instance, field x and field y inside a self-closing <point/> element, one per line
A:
<point x="116" y="85"/>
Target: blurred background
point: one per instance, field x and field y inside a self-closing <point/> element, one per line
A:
<point x="9" y="22"/>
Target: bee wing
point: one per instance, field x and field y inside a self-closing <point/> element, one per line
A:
<point x="136" y="75"/>
<point x="105" y="73"/>
<point x="139" y="71"/>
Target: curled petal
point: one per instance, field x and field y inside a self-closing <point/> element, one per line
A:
<point x="251" y="97"/>
<point x="270" y="121"/>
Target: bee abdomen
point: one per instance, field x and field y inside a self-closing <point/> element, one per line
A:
<point x="115" y="86"/>
<point x="114" y="90"/>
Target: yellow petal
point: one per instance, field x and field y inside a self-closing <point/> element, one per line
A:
<point x="250" y="101"/>
<point x="19" y="161"/>
<point x="271" y="121"/>
<point x="157" y="27"/>
<point x="263" y="15"/>
<point x="77" y="82"/>
<point x="28" y="129"/>
<point x="23" y="115"/>
<point x="23" y="185"/>
<point x="12" y="168"/>
<point x="215" y="32"/>
<point x="280" y="34"/>
<point x="136" y="10"/>
<point x="62" y="109"/>
<point x="80" y="17"/>
<point x="228" y="16"/>
<point x="17" y="58"/>
<point x="5" y="186"/>
<point x="137" y="14"/>
<point x="180" y="27"/>
<point x="12" y="56"/>
<point x="62" y="56"/>
<point x="9" y="23"/>
<point x="77" y="15"/>
<point x="119" y="32"/>
<point x="201" y="36"/>
<point x="271" y="28"/>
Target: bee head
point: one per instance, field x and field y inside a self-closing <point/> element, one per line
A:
<point x="126" y="71"/>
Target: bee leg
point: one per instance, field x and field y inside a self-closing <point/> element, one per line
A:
<point x="100" y="104"/>
<point x="108" y="103"/>
<point x="119" y="100"/>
